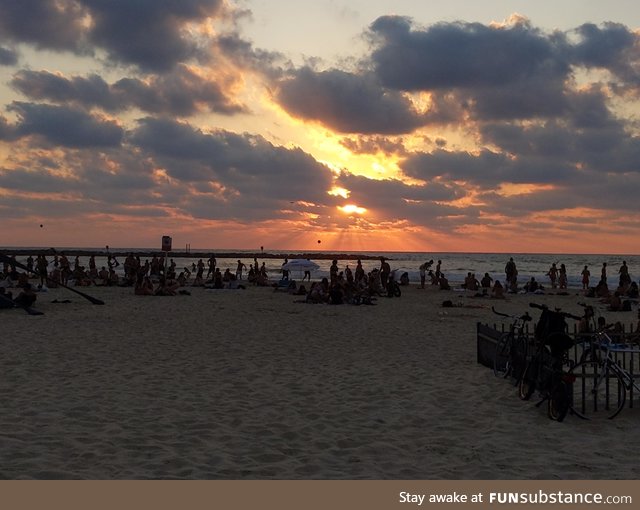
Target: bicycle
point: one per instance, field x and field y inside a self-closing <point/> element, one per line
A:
<point x="602" y="383"/>
<point x="545" y="370"/>
<point x="511" y="348"/>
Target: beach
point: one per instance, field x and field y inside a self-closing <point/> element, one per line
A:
<point x="250" y="384"/>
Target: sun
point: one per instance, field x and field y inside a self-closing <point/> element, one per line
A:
<point x="352" y="209"/>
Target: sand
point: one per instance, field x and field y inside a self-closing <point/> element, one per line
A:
<point x="252" y="385"/>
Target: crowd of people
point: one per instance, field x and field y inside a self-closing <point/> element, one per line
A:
<point x="617" y="298"/>
<point x="160" y="276"/>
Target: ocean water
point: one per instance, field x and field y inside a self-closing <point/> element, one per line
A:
<point x="455" y="265"/>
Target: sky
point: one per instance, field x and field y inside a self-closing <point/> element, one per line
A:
<point x="362" y="125"/>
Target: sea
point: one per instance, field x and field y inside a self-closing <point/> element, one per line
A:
<point x="455" y="265"/>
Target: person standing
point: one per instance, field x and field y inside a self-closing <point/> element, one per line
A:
<point x="41" y="268"/>
<point x="423" y="272"/>
<point x="563" y="277"/>
<point x="385" y="271"/>
<point x="359" y="274"/>
<point x="333" y="272"/>
<point x="285" y="272"/>
<point x="625" y="279"/>
<point x="553" y="275"/>
<point x="511" y="273"/>
<point x="239" y="269"/>
<point x="585" y="277"/>
<point x="307" y="273"/>
<point x="212" y="262"/>
<point x="603" y="273"/>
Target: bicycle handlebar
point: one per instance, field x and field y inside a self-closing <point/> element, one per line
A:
<point x="526" y="317"/>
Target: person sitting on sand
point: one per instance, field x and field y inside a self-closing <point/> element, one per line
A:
<point x="443" y="282"/>
<point x="198" y="281"/>
<point x="472" y="283"/>
<point x="6" y="300"/>
<point x="55" y="278"/>
<point x="486" y="281"/>
<point x="144" y="287"/>
<point x="103" y="276"/>
<point x="251" y="275"/>
<point x="498" y="290"/>
<point x="336" y="295"/>
<point x="182" y="279"/>
<point x="218" y="281"/>
<point x="113" y="277"/>
<point x="26" y="298"/>
<point x="261" y="279"/>
<point x="602" y="289"/>
<point x="585" y="323"/>
<point x="615" y="303"/>
<point x="164" y="289"/>
<point x="317" y="294"/>
<point x="532" y="285"/>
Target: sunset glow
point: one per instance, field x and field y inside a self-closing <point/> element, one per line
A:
<point x="215" y="125"/>
<point x="352" y="209"/>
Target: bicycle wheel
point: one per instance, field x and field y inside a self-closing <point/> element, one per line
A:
<point x="527" y="384"/>
<point x="598" y="393"/>
<point x="518" y="357"/>
<point x="559" y="401"/>
<point x="501" y="360"/>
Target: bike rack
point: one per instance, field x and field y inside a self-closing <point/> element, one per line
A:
<point x="626" y="355"/>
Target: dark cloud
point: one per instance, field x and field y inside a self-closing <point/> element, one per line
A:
<point x="588" y="137"/>
<point x="486" y="169"/>
<point x="348" y="103"/>
<point x="64" y="126"/>
<point x="497" y="72"/>
<point x="148" y="33"/>
<point x="8" y="57"/>
<point x="247" y="170"/>
<point x="58" y="25"/>
<point x="243" y="54"/>
<point x="45" y="86"/>
<point x="607" y="46"/>
<point x="180" y="92"/>
<point x="459" y="55"/>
